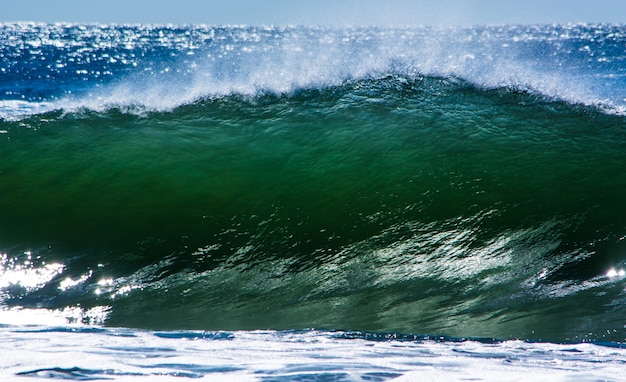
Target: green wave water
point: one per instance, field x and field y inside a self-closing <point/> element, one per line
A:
<point x="410" y="204"/>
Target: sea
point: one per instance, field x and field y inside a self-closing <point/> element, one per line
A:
<point x="298" y="203"/>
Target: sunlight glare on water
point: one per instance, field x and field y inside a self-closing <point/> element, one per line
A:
<point x="25" y="274"/>
<point x="613" y="272"/>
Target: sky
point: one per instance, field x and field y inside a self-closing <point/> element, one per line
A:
<point x="317" y="12"/>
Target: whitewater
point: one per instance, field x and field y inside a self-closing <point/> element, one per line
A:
<point x="312" y="203"/>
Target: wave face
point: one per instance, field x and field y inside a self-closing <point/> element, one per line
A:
<point x="467" y="182"/>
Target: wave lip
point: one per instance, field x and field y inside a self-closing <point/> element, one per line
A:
<point x="161" y="68"/>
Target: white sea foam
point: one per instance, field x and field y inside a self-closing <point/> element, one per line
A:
<point x="80" y="353"/>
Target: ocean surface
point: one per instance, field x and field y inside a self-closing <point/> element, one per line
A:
<point x="312" y="204"/>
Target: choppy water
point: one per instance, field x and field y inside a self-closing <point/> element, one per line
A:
<point x="455" y="182"/>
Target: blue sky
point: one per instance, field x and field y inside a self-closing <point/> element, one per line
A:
<point x="317" y="12"/>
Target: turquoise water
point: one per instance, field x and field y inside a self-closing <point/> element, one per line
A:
<point x="467" y="183"/>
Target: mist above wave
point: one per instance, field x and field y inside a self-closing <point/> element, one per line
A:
<point x="98" y="67"/>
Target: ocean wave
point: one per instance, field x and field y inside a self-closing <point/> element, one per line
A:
<point x="368" y="179"/>
<point x="423" y="204"/>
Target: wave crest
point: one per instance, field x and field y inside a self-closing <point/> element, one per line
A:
<point x="164" y="68"/>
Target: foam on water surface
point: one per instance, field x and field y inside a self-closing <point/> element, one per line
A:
<point x="89" y="353"/>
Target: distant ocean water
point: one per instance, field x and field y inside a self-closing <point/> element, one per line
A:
<point x="367" y="203"/>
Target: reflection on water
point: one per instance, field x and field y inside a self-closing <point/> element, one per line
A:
<point x="54" y="317"/>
